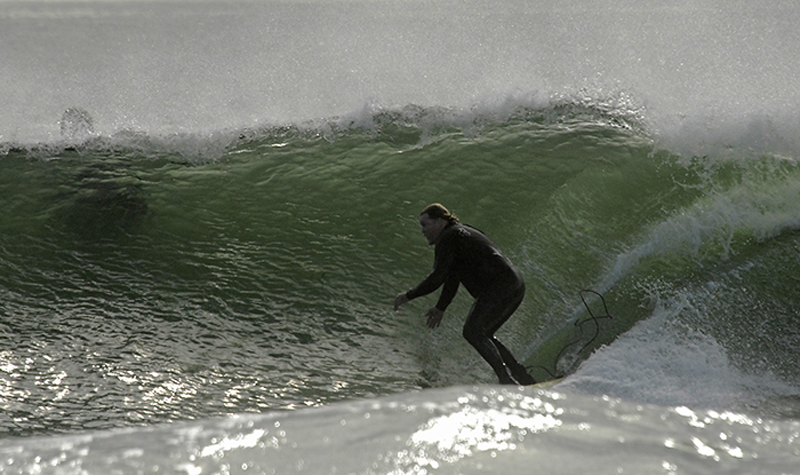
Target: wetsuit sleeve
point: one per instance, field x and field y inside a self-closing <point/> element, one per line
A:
<point x="445" y="255"/>
<point x="448" y="292"/>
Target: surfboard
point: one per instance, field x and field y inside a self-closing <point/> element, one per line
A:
<point x="546" y="384"/>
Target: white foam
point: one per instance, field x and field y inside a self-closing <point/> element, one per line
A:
<point x="661" y="361"/>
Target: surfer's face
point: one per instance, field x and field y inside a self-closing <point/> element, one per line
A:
<point x="432" y="227"/>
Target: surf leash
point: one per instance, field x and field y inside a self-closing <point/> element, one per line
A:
<point x="579" y="323"/>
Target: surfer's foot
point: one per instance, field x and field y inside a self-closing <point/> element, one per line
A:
<point x="524" y="378"/>
<point x="520" y="374"/>
<point x="506" y="379"/>
<point x="519" y="378"/>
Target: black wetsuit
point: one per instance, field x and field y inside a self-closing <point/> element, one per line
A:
<point x="465" y="255"/>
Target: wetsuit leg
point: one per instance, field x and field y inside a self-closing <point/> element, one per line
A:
<point x="517" y="370"/>
<point x="485" y="346"/>
<point x="487" y="315"/>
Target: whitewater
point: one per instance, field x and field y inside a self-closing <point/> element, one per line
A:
<point x="207" y="208"/>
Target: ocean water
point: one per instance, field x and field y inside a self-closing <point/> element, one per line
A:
<point x="207" y="208"/>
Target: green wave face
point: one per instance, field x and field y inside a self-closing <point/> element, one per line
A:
<point x="260" y="273"/>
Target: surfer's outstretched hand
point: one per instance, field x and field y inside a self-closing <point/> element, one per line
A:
<point x="401" y="299"/>
<point x="434" y="317"/>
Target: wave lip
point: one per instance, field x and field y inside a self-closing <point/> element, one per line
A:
<point x="410" y="126"/>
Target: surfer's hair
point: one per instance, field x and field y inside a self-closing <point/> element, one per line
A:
<point x="436" y="210"/>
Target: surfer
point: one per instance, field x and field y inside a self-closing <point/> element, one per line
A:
<point x="464" y="255"/>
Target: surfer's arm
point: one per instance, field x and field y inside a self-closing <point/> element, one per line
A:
<point x="430" y="284"/>
<point x="441" y="270"/>
<point x="448" y="293"/>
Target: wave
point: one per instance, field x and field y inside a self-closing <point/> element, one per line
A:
<point x="179" y="252"/>
<point x="225" y="236"/>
